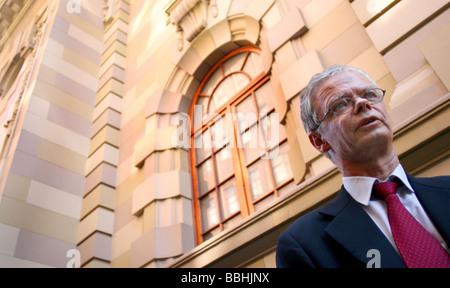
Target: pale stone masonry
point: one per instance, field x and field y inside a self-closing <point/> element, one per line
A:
<point x="92" y="93"/>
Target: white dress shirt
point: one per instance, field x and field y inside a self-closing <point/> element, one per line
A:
<point x="360" y="188"/>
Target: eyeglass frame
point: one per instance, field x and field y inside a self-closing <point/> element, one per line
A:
<point x="353" y="104"/>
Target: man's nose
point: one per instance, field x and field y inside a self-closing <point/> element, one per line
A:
<point x="361" y="104"/>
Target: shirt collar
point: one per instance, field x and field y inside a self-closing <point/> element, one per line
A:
<point x="360" y="187"/>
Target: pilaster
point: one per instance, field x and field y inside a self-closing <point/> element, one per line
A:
<point x="97" y="219"/>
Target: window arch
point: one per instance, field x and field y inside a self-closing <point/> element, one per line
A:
<point x="239" y="158"/>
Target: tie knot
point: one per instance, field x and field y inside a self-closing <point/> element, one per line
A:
<point x="384" y="189"/>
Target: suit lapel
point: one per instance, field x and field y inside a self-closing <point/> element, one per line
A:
<point x="354" y="230"/>
<point x="434" y="198"/>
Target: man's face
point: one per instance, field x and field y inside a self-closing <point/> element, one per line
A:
<point x="358" y="135"/>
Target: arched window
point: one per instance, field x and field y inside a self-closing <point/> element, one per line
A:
<point x="239" y="156"/>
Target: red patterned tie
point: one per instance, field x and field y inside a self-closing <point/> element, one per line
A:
<point x="418" y="248"/>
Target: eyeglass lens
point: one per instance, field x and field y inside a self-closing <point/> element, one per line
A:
<point x="344" y="105"/>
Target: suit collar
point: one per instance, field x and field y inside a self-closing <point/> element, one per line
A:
<point x="354" y="230"/>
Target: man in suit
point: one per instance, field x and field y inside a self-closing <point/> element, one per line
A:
<point x="346" y="119"/>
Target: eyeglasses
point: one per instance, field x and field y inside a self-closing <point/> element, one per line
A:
<point x="346" y="105"/>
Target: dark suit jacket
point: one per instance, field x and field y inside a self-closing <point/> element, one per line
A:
<point x="341" y="233"/>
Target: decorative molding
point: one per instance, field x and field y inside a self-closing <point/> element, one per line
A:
<point x="27" y="49"/>
<point x="190" y="17"/>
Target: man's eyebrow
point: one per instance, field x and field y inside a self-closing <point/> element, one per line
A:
<point x="344" y="93"/>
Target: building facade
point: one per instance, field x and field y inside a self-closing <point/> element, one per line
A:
<point x="142" y="133"/>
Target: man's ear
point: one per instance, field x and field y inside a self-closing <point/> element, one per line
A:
<point x="318" y="142"/>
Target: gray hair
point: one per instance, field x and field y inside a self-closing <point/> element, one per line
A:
<point x="308" y="111"/>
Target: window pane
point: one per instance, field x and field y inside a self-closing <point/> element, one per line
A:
<point x="229" y="199"/>
<point x="239" y="81"/>
<point x="205" y="177"/>
<point x="200" y="110"/>
<point x="273" y="131"/>
<point x="212" y="107"/>
<point x="280" y="164"/>
<point x="247" y="114"/>
<point x="234" y="63"/>
<point x="209" y="211"/>
<point x="202" y="146"/>
<point x="228" y="89"/>
<point x="260" y="179"/>
<point x="254" y="65"/>
<point x="219" y="134"/>
<point x="224" y="164"/>
<point x="221" y="95"/>
<point x="264" y="98"/>
<point x="252" y="146"/>
<point x="212" y="82"/>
